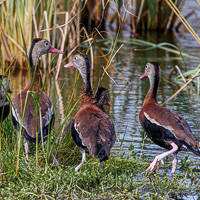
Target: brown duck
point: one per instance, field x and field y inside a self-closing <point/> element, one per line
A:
<point x="24" y="104"/>
<point x="92" y="128"/>
<point x="164" y="126"/>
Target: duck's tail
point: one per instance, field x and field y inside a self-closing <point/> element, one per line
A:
<point x="103" y="155"/>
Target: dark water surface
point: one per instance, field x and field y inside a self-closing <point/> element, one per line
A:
<point x="127" y="92"/>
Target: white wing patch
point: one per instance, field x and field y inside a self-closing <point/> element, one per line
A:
<point x="15" y="115"/>
<point x="18" y="118"/>
<point x="76" y="128"/>
<point x="49" y="116"/>
<point x="157" y="123"/>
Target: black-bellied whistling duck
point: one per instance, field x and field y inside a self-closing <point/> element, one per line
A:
<point x="34" y="121"/>
<point x="102" y="97"/>
<point x="163" y="126"/>
<point x="92" y="129"/>
<point x="4" y="103"/>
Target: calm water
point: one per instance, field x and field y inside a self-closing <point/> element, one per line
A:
<point x="127" y="91"/>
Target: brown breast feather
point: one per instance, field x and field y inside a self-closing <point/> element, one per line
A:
<point x="29" y="122"/>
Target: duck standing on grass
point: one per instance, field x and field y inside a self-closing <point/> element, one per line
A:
<point x="102" y="97"/>
<point x="163" y="126"/>
<point x="32" y="108"/>
<point x="92" y="129"/>
<point x="4" y="103"/>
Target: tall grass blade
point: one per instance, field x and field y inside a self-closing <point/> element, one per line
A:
<point x="184" y="21"/>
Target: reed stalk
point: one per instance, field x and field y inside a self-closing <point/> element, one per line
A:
<point x="184" y="86"/>
<point x="64" y="35"/>
<point x="183" y="20"/>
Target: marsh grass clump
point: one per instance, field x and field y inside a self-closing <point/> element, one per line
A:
<point x="63" y="22"/>
<point x="23" y="20"/>
<point x="117" y="179"/>
<point x="156" y="15"/>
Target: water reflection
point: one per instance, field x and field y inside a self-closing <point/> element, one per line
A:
<point x="127" y="93"/>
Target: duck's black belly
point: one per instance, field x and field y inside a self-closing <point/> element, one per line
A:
<point x="77" y="139"/>
<point x="46" y="130"/>
<point x="160" y="135"/>
<point x="4" y="111"/>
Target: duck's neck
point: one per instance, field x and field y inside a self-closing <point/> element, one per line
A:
<point x="151" y="96"/>
<point x="35" y="80"/>
<point x="87" y="89"/>
<point x="33" y="56"/>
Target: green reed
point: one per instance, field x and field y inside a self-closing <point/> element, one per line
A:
<point x="32" y="17"/>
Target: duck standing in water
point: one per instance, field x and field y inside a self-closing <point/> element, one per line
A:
<point x="24" y="104"/>
<point x="92" y="129"/>
<point x="4" y="103"/>
<point x="163" y="126"/>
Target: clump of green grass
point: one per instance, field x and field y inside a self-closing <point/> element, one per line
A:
<point x="117" y="179"/>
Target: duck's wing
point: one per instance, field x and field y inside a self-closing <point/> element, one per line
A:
<point x="37" y="112"/>
<point x="95" y="129"/>
<point x="171" y="121"/>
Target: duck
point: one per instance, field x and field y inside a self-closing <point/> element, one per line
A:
<point x="102" y="97"/>
<point x="92" y="129"/>
<point x="24" y="112"/>
<point x="163" y="126"/>
<point x="4" y="103"/>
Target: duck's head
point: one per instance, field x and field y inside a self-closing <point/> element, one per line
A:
<point x="81" y="62"/>
<point x="5" y="85"/>
<point x="40" y="47"/>
<point x="103" y="97"/>
<point x="152" y="71"/>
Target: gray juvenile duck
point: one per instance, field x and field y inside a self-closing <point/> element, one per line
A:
<point x="4" y="103"/>
<point x="102" y="97"/>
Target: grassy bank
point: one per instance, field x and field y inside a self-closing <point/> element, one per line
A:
<point x="117" y="179"/>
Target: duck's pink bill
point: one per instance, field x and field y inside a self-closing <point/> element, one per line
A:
<point x="69" y="65"/>
<point x="54" y="50"/>
<point x="143" y="76"/>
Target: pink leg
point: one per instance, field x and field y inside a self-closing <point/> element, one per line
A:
<point x="55" y="162"/>
<point x="162" y="162"/>
<point x="26" y="147"/>
<point x="82" y="161"/>
<point x="174" y="163"/>
<point x="158" y="158"/>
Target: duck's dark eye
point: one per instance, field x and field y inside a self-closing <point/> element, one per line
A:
<point x="46" y="43"/>
<point x="146" y="66"/>
<point x="75" y="57"/>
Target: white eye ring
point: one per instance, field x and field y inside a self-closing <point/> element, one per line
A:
<point x="46" y="43"/>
